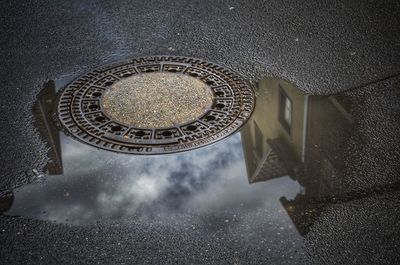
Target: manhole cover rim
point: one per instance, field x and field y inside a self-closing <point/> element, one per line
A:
<point x="144" y="148"/>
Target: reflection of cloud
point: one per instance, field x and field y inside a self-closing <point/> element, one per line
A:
<point x="108" y="185"/>
<point x="130" y="194"/>
<point x="164" y="179"/>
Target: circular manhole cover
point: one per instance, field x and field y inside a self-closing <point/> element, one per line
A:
<point x="155" y="105"/>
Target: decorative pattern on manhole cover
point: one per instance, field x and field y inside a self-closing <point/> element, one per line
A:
<point x="155" y="105"/>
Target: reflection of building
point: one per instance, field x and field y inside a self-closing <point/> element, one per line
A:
<point x="299" y="135"/>
<point x="44" y="113"/>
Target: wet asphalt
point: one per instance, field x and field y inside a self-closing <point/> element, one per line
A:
<point x="322" y="47"/>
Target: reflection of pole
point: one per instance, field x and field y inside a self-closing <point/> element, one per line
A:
<point x="305" y="124"/>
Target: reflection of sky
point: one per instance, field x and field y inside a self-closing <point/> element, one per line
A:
<point x="98" y="184"/>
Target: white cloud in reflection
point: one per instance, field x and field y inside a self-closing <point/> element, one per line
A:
<point x="109" y="185"/>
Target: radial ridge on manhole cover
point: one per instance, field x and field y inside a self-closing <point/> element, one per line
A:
<point x="155" y="105"/>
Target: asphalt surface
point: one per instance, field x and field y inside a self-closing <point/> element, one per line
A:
<point x="322" y="47"/>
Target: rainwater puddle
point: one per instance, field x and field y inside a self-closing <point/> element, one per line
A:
<point x="277" y="175"/>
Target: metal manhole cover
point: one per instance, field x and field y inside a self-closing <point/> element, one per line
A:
<point x="155" y="105"/>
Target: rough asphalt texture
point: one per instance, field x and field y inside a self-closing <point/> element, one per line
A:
<point x="324" y="47"/>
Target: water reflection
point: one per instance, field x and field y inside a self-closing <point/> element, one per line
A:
<point x="302" y="136"/>
<point x="44" y="110"/>
<point x="6" y="202"/>
<point x="282" y="170"/>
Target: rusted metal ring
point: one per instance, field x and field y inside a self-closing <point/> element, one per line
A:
<point x="81" y="113"/>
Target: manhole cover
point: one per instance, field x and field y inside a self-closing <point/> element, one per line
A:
<point x="155" y="105"/>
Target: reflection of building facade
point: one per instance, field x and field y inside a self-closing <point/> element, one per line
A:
<point x="276" y="128"/>
<point x="299" y="135"/>
<point x="44" y="112"/>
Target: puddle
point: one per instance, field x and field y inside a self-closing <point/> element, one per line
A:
<point x="280" y="172"/>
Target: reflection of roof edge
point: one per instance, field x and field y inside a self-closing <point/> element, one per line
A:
<point x="341" y="108"/>
<point x="302" y="212"/>
<point x="270" y="167"/>
<point x="277" y="162"/>
<point x="284" y="152"/>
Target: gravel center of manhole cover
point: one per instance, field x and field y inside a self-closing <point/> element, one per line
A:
<point x="157" y="100"/>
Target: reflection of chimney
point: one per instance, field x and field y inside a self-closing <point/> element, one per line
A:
<point x="6" y="202"/>
<point x="44" y="110"/>
<point x="302" y="212"/>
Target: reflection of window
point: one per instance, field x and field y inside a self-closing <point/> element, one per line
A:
<point x="285" y="110"/>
